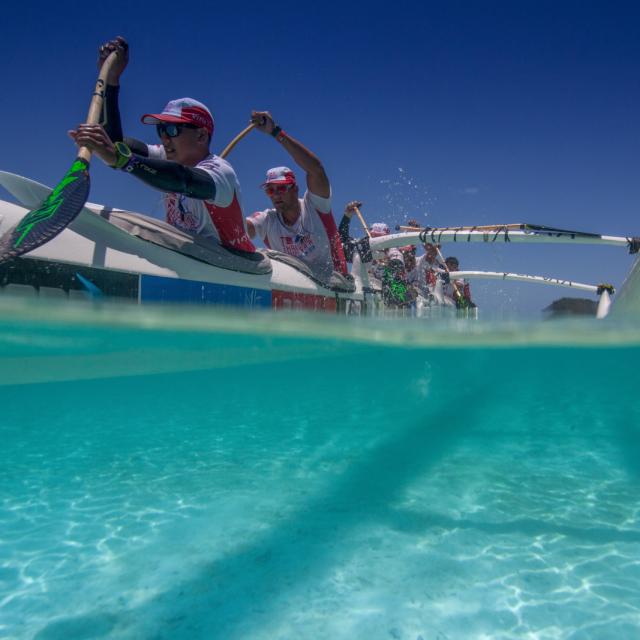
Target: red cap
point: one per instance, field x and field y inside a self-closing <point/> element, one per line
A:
<point x="183" y="110"/>
<point x="379" y="229"/>
<point x="279" y="175"/>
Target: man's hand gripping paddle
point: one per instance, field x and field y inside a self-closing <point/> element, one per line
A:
<point x="66" y="200"/>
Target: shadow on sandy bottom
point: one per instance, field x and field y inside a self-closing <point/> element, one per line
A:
<point x="233" y="596"/>
<point x="223" y="599"/>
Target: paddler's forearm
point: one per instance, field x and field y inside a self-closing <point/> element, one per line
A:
<point x="343" y="229"/>
<point x="137" y="146"/>
<point x="317" y="179"/>
<point x="169" y="176"/>
<point x="112" y="124"/>
<point x="347" y="242"/>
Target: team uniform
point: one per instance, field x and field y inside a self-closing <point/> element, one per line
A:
<point x="381" y="259"/>
<point x="388" y="273"/>
<point x="463" y="288"/>
<point x="221" y="219"/>
<point x="412" y="276"/>
<point x="313" y="238"/>
<point x="427" y="279"/>
<point x="395" y="288"/>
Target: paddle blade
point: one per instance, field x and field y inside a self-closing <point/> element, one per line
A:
<point x="55" y="213"/>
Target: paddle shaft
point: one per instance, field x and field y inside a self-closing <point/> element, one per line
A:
<point x="446" y="268"/>
<point x="362" y="222"/>
<point x="227" y="150"/>
<point x="97" y="101"/>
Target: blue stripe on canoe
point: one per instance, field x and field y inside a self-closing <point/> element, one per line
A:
<point x="161" y="289"/>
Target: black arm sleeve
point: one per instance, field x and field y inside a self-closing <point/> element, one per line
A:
<point x="112" y="124"/>
<point x="137" y="146"/>
<point x="346" y="240"/>
<point x="171" y="176"/>
<point x="343" y="228"/>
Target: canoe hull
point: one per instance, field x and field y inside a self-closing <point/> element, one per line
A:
<point x="97" y="259"/>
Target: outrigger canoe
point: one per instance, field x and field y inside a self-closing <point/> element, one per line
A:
<point x="127" y="256"/>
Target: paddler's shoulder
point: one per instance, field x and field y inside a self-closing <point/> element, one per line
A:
<point x="216" y="163"/>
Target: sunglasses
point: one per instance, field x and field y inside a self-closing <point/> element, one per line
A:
<point x="172" y="130"/>
<point x="272" y="189"/>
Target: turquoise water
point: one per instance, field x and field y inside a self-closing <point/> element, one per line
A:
<point x="170" y="475"/>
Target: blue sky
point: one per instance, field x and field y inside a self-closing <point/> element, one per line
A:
<point x="451" y="112"/>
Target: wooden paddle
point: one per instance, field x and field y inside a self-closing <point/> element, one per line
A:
<point x="362" y="222"/>
<point x="66" y="200"/>
<point x="227" y="150"/>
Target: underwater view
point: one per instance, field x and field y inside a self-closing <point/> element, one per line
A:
<point x="171" y="474"/>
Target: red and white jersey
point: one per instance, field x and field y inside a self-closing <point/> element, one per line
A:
<point x="313" y="238"/>
<point x="220" y="219"/>
<point x="426" y="276"/>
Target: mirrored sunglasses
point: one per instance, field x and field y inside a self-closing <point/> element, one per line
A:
<point x="171" y="129"/>
<point x="272" y="189"/>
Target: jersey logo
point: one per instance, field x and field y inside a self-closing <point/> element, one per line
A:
<point x="179" y="215"/>
<point x="299" y="246"/>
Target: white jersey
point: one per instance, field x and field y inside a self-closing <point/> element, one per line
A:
<point x="313" y="238"/>
<point x="220" y="219"/>
<point x="426" y="275"/>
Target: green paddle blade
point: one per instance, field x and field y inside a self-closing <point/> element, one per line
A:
<point x="61" y="206"/>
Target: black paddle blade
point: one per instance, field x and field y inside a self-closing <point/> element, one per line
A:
<point x="60" y="207"/>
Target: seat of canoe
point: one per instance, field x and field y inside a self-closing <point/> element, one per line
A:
<point x="167" y="236"/>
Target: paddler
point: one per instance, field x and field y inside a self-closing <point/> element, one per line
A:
<point x="428" y="275"/>
<point x="409" y="254"/>
<point x="301" y="227"/>
<point x="389" y="269"/>
<point x="461" y="299"/>
<point x="349" y="245"/>
<point x="202" y="193"/>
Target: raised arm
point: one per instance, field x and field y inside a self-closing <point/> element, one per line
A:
<point x="348" y="244"/>
<point x="106" y="140"/>
<point x="317" y="181"/>
<point x="112" y="123"/>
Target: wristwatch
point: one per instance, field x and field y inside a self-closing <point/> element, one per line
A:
<point x="278" y="133"/>
<point x="123" y="155"/>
